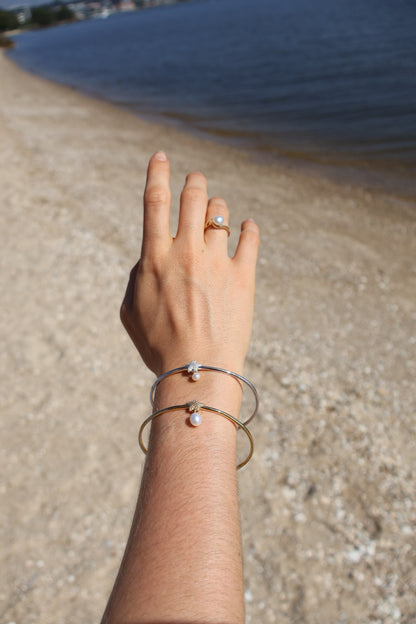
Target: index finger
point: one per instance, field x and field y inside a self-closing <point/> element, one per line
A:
<point x="156" y="203"/>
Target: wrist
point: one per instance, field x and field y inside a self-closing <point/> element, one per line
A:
<point x="227" y="359"/>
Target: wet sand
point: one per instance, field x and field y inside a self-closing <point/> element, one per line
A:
<point x="328" y="504"/>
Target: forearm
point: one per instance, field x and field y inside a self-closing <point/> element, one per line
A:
<point x="186" y="298"/>
<point x="183" y="560"/>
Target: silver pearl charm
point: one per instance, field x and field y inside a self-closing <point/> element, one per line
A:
<point x="192" y="369"/>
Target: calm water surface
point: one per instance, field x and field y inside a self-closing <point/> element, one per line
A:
<point x="319" y="81"/>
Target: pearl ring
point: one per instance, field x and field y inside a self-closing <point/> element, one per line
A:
<point x="217" y="223"/>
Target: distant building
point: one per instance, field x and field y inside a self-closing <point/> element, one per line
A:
<point x="90" y="10"/>
<point x="78" y="9"/>
<point x="23" y="14"/>
<point x="126" y="5"/>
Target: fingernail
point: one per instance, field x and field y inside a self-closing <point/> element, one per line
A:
<point x="160" y="156"/>
<point x="251" y="220"/>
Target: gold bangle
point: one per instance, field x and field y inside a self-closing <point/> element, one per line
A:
<point x="194" y="407"/>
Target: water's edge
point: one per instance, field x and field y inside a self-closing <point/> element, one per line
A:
<point x="336" y="168"/>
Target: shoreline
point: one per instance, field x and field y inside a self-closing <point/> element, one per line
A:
<point x="340" y="168"/>
<point x="327" y="502"/>
<point x="313" y="172"/>
<point x="395" y="179"/>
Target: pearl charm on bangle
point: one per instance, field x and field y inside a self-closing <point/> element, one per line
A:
<point x="195" y="407"/>
<point x="195" y="417"/>
<point x="193" y="368"/>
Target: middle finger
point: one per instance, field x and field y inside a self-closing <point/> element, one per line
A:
<point x="193" y="207"/>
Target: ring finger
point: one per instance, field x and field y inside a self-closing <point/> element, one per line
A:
<point x="216" y="224"/>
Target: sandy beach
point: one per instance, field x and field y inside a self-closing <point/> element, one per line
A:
<point x="328" y="503"/>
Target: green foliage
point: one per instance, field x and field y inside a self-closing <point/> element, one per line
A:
<point x="46" y="16"/>
<point x="43" y="16"/>
<point x="64" y="13"/>
<point x="8" y="21"/>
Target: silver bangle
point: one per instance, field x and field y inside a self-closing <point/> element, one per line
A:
<point x="194" y="407"/>
<point x="193" y="369"/>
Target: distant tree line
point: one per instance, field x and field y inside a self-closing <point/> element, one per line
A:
<point x="8" y="21"/>
<point x="47" y="16"/>
<point x="54" y="13"/>
<point x="41" y="16"/>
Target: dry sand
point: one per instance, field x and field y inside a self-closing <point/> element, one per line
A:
<point x="328" y="504"/>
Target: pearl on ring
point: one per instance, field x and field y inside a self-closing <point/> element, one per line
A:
<point x="218" y="223"/>
<point x="195" y="419"/>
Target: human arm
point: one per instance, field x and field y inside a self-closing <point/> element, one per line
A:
<point x="187" y="299"/>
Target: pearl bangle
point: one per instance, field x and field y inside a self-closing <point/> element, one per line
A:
<point x="193" y="369"/>
<point x="195" y="420"/>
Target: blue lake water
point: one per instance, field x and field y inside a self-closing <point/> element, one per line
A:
<point x="324" y="81"/>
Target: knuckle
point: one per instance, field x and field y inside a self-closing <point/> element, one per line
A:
<point x="220" y="203"/>
<point x="156" y="196"/>
<point x="153" y="270"/>
<point x="148" y="264"/>
<point x="191" y="264"/>
<point x="194" y="195"/>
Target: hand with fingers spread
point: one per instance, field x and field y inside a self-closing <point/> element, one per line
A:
<point x="186" y="297"/>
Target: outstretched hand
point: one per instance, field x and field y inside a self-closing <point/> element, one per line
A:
<point x="186" y="298"/>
